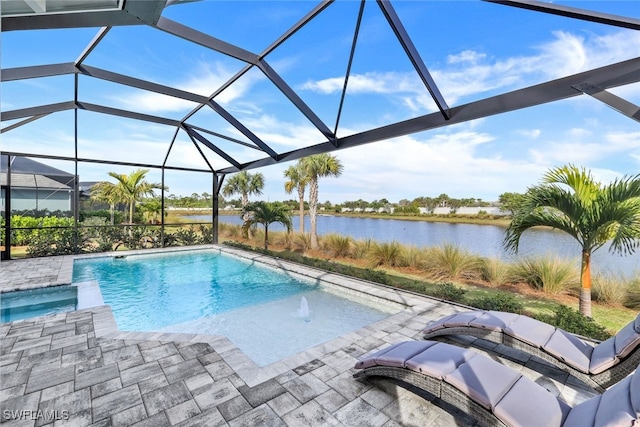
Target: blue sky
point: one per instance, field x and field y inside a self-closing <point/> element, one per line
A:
<point x="472" y="49"/>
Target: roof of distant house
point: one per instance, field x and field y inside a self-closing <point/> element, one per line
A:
<point x="28" y="173"/>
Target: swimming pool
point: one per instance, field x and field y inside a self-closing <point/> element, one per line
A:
<point x="25" y="304"/>
<point x="266" y="312"/>
<point x="20" y="305"/>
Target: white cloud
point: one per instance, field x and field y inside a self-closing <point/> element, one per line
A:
<point x="579" y="133"/>
<point x="409" y="167"/>
<point x="580" y="147"/>
<point x="372" y="82"/>
<point x="530" y="133"/>
<point x="472" y="72"/>
<point x="204" y="81"/>
<point x="466" y="56"/>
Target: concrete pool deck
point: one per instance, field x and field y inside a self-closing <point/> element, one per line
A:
<point x="79" y="368"/>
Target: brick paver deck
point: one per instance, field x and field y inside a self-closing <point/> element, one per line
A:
<point x="78" y="368"/>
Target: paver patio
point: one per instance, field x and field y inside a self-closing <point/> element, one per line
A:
<point x="77" y="367"/>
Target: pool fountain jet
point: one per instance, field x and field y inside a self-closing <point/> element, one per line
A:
<point x="303" y="311"/>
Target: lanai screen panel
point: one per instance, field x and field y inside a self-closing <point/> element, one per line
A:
<point x="271" y="88"/>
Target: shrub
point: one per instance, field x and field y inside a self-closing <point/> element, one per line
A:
<point x="206" y="234"/>
<point x="377" y="276"/>
<point x="103" y="237"/>
<point x="609" y="289"/>
<point x="187" y="237"/>
<point x="140" y="237"/>
<point x="32" y="226"/>
<point x="337" y="245"/>
<point x="633" y="294"/>
<point x="572" y="321"/>
<point x="411" y="256"/>
<point x="302" y="241"/>
<point x="387" y="253"/>
<point x="222" y="228"/>
<point x="361" y="248"/>
<point x="449" y="292"/>
<point x="234" y="231"/>
<point x="547" y="273"/>
<point x="65" y="241"/>
<point x="500" y="301"/>
<point x="494" y="271"/>
<point x="93" y="221"/>
<point x="118" y="217"/>
<point x="452" y="262"/>
<point x="362" y="273"/>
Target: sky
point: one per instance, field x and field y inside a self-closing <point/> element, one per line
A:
<point x="472" y="49"/>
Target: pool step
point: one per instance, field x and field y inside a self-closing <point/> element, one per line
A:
<point x="36" y="302"/>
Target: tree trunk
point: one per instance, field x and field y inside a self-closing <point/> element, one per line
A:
<point x="131" y="212"/>
<point x="112" y="209"/>
<point x="245" y="216"/>
<point x="313" y="211"/>
<point x="266" y="237"/>
<point x="301" y="199"/>
<point x="585" y="281"/>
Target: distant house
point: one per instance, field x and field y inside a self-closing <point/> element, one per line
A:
<point x="35" y="186"/>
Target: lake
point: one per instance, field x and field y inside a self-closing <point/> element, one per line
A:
<point x="484" y="240"/>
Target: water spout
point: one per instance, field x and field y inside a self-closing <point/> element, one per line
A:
<point x="303" y="311"/>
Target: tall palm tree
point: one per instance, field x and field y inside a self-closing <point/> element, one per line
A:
<point x="298" y="181"/>
<point x="107" y="192"/>
<point x="266" y="213"/>
<point x="133" y="187"/>
<point x="570" y="200"/>
<point x="315" y="167"/>
<point x="245" y="184"/>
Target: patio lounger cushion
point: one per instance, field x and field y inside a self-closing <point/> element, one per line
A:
<point x="494" y="320"/>
<point x="570" y="349"/>
<point x="484" y="380"/>
<point x="599" y="365"/>
<point x="496" y="394"/>
<point x="394" y="352"/>
<point x="529" y="404"/>
<point x="460" y="319"/>
<point x="603" y="356"/>
<point x="618" y="406"/>
<point x="439" y="360"/>
<point x="398" y="355"/>
<point x="529" y="330"/>
<point x="626" y="340"/>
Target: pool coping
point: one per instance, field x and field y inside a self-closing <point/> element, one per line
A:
<point x="247" y="369"/>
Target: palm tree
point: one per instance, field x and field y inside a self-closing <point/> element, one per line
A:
<point x="266" y="213"/>
<point x="245" y="184"/>
<point x="297" y="180"/>
<point x="152" y="208"/>
<point x="314" y="167"/>
<point x="132" y="187"/>
<point x="106" y="192"/>
<point x="569" y="200"/>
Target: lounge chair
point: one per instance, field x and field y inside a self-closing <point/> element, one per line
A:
<point x="494" y="394"/>
<point x="599" y="365"/>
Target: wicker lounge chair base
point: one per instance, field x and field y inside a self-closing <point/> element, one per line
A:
<point x="598" y="366"/>
<point x="494" y="394"/>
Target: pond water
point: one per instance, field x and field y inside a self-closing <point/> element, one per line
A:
<point x="484" y="240"/>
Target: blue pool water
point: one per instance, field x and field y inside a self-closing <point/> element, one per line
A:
<point x="207" y="292"/>
<point x="20" y="305"/>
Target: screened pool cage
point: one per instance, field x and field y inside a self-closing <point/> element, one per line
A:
<point x="63" y="61"/>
